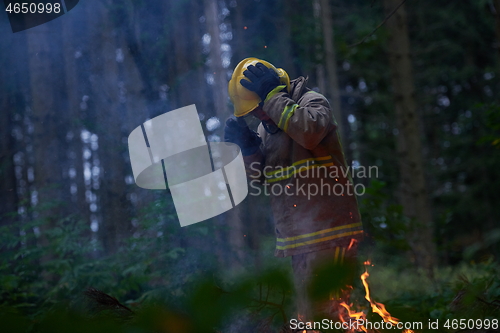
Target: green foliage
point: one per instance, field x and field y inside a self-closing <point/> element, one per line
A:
<point x="492" y="123"/>
<point x="455" y="80"/>
<point x="43" y="265"/>
<point x="42" y="286"/>
<point x="383" y="220"/>
<point x="463" y="291"/>
<point x="158" y="272"/>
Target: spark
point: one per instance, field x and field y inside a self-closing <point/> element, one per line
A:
<point x="351" y="244"/>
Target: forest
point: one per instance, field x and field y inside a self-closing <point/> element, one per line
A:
<point x="414" y="86"/>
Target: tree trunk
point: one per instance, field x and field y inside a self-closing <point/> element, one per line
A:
<point x="140" y="100"/>
<point x="8" y="107"/>
<point x="184" y="48"/>
<point x="231" y="219"/>
<point x="197" y="73"/>
<point x="497" y="26"/>
<point x="107" y="98"/>
<point x="320" y="67"/>
<point x="48" y="132"/>
<point x="75" y="90"/>
<point x="331" y="64"/>
<point x="8" y="189"/>
<point x="240" y="33"/>
<point x="46" y="143"/>
<point x="283" y="25"/>
<point x="220" y="82"/>
<point x="413" y="192"/>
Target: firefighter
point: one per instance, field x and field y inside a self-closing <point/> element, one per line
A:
<point x="297" y="155"/>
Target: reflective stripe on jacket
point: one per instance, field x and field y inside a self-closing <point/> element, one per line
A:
<point x="304" y="168"/>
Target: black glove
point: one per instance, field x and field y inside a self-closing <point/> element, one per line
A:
<point x="248" y="140"/>
<point x="262" y="80"/>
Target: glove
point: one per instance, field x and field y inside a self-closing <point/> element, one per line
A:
<point x="248" y="140"/>
<point x="262" y="80"/>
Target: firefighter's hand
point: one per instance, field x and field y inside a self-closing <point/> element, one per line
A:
<point x="248" y="140"/>
<point x="262" y="80"/>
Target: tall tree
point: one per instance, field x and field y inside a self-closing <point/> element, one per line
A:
<point x="239" y="31"/>
<point x="413" y="192"/>
<point x="320" y="67"/>
<point x="186" y="65"/>
<point x="219" y="90"/>
<point x="49" y="131"/>
<point x="75" y="90"/>
<point x="282" y="23"/>
<point x="497" y="26"/>
<point x="8" y="107"/>
<point x="219" y="87"/>
<point x="105" y="97"/>
<point x="139" y="99"/>
<point x="331" y="64"/>
<point x="197" y="73"/>
<point x="47" y="144"/>
<point x="8" y="188"/>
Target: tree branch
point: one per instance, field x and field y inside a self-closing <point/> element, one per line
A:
<point x="378" y="26"/>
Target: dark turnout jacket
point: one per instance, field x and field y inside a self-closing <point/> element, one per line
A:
<point x="302" y="167"/>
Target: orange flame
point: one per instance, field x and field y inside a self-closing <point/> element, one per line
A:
<point x="378" y="308"/>
<point x="352" y="316"/>
<point x="355" y="315"/>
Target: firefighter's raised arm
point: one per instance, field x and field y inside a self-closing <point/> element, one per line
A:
<point x="307" y="121"/>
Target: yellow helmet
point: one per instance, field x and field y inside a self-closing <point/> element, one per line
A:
<point x="244" y="100"/>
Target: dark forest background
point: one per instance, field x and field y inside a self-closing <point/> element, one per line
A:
<point x="415" y="89"/>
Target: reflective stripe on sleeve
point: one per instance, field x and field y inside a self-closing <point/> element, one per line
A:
<point x="319" y="236"/>
<point x="274" y="92"/>
<point x="287" y="113"/>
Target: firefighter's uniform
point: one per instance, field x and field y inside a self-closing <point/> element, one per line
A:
<point x="302" y="164"/>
